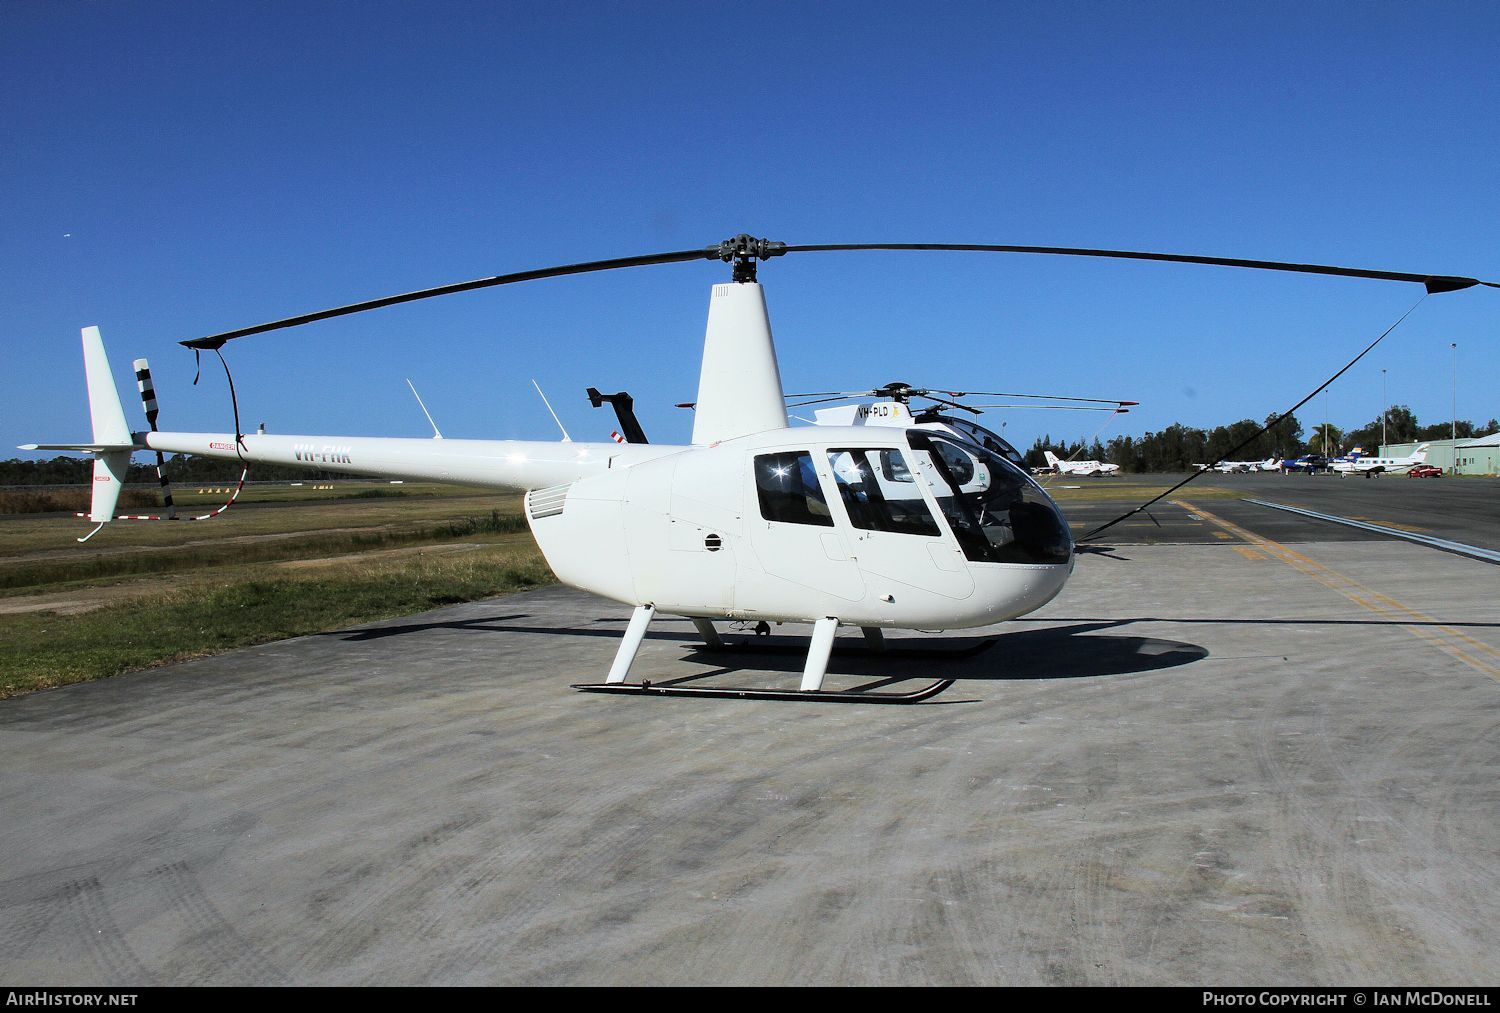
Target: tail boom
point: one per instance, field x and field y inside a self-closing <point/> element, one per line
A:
<point x="516" y="465"/>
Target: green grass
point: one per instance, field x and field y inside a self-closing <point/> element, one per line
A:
<point x="41" y="650"/>
<point x="158" y="592"/>
<point x="55" y="573"/>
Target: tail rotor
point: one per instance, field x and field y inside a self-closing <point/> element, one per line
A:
<point x="148" y="401"/>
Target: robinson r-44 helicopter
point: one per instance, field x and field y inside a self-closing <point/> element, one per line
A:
<point x="921" y="526"/>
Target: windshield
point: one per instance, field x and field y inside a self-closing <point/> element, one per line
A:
<point x="996" y="511"/>
<point x="982" y="437"/>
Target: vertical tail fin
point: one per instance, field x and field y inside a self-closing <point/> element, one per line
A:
<point x="110" y="466"/>
<point x="113" y="443"/>
<point x="104" y="400"/>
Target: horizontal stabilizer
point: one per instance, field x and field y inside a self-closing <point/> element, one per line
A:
<point x="92" y="448"/>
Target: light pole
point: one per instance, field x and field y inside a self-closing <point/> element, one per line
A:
<point x="1454" y="345"/>
<point x="1385" y="409"/>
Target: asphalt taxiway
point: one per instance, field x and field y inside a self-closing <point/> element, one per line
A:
<point x="1465" y="510"/>
<point x="1244" y="747"/>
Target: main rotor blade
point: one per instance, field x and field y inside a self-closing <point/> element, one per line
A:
<point x="745" y="249"/>
<point x="1433" y="282"/>
<point x="681" y="256"/>
<point x="1056" y="408"/>
<point x="1040" y="397"/>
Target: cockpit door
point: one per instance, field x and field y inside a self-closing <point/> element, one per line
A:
<point x="792" y="535"/>
<point x="893" y="534"/>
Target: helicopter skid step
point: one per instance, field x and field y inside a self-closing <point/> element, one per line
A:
<point x="750" y="693"/>
<point x="847" y="649"/>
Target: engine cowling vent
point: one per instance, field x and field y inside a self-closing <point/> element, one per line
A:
<point x="547" y="502"/>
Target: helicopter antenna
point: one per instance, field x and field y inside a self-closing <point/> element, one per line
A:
<point x="435" y="434"/>
<point x="566" y="437"/>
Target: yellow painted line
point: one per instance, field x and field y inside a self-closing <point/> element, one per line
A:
<point x="1221" y="534"/>
<point x="1392" y="603"/>
<point x="1247" y="552"/>
<point x="1389" y="524"/>
<point x="1383" y="605"/>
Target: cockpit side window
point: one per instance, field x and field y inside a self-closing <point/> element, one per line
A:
<point x="874" y="498"/>
<point x="788" y="489"/>
<point x="960" y="465"/>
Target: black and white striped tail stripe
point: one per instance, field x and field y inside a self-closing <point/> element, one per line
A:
<point x="148" y="391"/>
<point x="166" y="485"/>
<point x="148" y="401"/>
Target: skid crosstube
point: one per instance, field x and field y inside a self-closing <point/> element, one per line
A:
<point x="749" y="693"/>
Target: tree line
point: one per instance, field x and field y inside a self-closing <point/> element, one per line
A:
<point x="1180" y="448"/>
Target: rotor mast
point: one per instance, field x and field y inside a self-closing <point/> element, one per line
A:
<point x="739" y="386"/>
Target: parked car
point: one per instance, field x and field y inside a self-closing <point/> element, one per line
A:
<point x="1425" y="471"/>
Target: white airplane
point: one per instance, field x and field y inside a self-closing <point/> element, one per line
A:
<point x="875" y="527"/>
<point x="1094" y="469"/>
<point x="1245" y="467"/>
<point x="1371" y="466"/>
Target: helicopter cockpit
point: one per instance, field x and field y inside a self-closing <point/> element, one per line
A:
<point x="996" y="511"/>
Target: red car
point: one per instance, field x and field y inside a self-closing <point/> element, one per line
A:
<point x="1425" y="471"/>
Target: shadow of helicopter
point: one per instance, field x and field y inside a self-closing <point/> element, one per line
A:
<point x="1065" y="652"/>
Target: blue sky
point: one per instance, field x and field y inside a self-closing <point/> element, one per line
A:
<point x="174" y="169"/>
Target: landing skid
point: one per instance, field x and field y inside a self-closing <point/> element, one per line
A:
<point x="857" y="695"/>
<point x="813" y="671"/>
<point x="939" y="651"/>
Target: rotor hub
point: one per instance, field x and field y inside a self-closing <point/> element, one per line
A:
<point x="743" y="251"/>
<point x="897" y="391"/>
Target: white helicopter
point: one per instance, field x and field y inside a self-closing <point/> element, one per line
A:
<point x="875" y="527"/>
